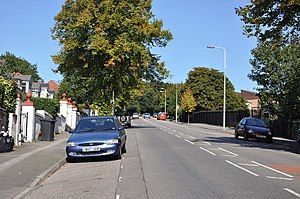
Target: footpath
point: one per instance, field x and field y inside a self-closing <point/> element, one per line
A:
<point x="29" y="164"/>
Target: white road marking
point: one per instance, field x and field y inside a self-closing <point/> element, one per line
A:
<point x="120" y="178"/>
<point x="207" y="151"/>
<point x="290" y="176"/>
<point x="122" y="166"/>
<point x="228" y="151"/>
<point x="178" y="136"/>
<point x="249" y="165"/>
<point x="165" y="130"/>
<point x="189" y="141"/>
<point x="207" y="143"/>
<point x="191" y="136"/>
<point x="242" y="168"/>
<point x="181" y="133"/>
<point x="213" y="149"/>
<point x="171" y="133"/>
<point x="117" y="196"/>
<point x="174" y="130"/>
<point x="292" y="192"/>
<point x="279" y="178"/>
<point x="231" y="156"/>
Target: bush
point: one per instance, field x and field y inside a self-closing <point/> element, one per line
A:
<point x="8" y="90"/>
<point x="49" y="105"/>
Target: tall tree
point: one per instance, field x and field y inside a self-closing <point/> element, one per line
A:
<point x="107" y="44"/>
<point x="207" y="87"/>
<point x="188" y="102"/>
<point x="12" y="64"/>
<point x="271" y="20"/>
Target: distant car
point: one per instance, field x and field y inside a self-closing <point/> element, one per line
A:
<point x="124" y="119"/>
<point x="96" y="136"/>
<point x="135" y="116"/>
<point x="147" y="115"/>
<point x="250" y="127"/>
<point x="162" y="116"/>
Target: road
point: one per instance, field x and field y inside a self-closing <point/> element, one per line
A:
<point x="169" y="160"/>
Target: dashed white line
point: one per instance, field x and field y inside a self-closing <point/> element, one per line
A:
<point x="171" y="133"/>
<point x="290" y="176"/>
<point x="279" y="178"/>
<point x="189" y="141"/>
<point x="191" y="136"/>
<point x="122" y="166"/>
<point x="181" y="133"/>
<point x="249" y="165"/>
<point x="120" y="178"/>
<point x="178" y="136"/>
<point x="207" y="143"/>
<point x="174" y="130"/>
<point x="242" y="168"/>
<point x="231" y="156"/>
<point x="292" y="192"/>
<point x="207" y="151"/>
<point x="228" y="151"/>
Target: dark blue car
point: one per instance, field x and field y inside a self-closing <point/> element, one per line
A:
<point x="251" y="127"/>
<point x="96" y="136"/>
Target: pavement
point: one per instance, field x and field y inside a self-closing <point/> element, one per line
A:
<point x="30" y="164"/>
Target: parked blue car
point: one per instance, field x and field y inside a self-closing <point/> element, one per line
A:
<point x="251" y="127"/>
<point x="96" y="136"/>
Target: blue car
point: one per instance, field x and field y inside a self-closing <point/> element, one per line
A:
<point x="96" y="136"/>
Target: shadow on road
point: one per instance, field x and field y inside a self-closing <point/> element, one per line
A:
<point x="283" y="145"/>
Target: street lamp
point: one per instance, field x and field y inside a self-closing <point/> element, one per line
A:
<point x="164" y="90"/>
<point x="224" y="98"/>
<point x="176" y="109"/>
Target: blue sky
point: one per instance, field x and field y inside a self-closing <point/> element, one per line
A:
<point x="25" y="31"/>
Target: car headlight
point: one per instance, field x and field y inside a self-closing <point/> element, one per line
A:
<point x="250" y="131"/>
<point x="71" y="143"/>
<point x="112" y="141"/>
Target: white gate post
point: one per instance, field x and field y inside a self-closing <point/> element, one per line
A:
<point x="74" y="115"/>
<point x="69" y="112"/>
<point x="27" y="107"/>
<point x="63" y="108"/>
<point x="16" y="135"/>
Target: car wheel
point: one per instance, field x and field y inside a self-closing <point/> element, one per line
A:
<point x="119" y="155"/>
<point x="269" y="139"/>
<point x="246" y="136"/>
<point x="124" y="148"/>
<point x="70" y="160"/>
<point x="236" y="136"/>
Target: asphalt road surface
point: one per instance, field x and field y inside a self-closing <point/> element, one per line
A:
<point x="169" y="160"/>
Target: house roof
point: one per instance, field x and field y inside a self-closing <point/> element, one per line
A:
<point x="22" y="77"/>
<point x="248" y="95"/>
<point x="36" y="85"/>
<point x="53" y="86"/>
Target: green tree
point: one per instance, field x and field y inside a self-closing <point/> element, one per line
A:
<point x="207" y="87"/>
<point x="8" y="91"/>
<point x="107" y="45"/>
<point x="276" y="71"/>
<point x="188" y="102"/>
<point x="271" y="20"/>
<point x="12" y="63"/>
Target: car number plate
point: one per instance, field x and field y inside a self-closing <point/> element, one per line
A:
<point x="90" y="149"/>
<point x="261" y="136"/>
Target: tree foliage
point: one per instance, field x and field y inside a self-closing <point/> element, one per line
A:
<point x="276" y="71"/>
<point x="271" y="20"/>
<point x="207" y="87"/>
<point x="13" y="64"/>
<point x="107" y="45"/>
<point x="8" y="96"/>
<point x="188" y="102"/>
<point x="49" y="105"/>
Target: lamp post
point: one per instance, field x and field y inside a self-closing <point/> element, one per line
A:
<point x="164" y="90"/>
<point x="176" y="109"/>
<point x="224" y="97"/>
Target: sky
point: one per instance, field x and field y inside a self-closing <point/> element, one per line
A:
<point x="195" y="24"/>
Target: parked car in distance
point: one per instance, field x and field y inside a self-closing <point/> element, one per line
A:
<point x="147" y="115"/>
<point x="96" y="136"/>
<point x="162" y="116"/>
<point x="251" y="127"/>
<point x="124" y="119"/>
<point x="135" y="116"/>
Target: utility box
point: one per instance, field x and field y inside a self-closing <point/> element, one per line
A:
<point x="47" y="129"/>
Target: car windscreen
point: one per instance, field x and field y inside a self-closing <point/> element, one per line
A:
<point x="97" y="124"/>
<point x="256" y="122"/>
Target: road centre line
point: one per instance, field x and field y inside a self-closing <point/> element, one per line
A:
<point x="189" y="141"/>
<point x="228" y="151"/>
<point x="178" y="136"/>
<point x="249" y="165"/>
<point x="279" y="178"/>
<point x="292" y="192"/>
<point x="272" y="169"/>
<point x="207" y="151"/>
<point x="242" y="168"/>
